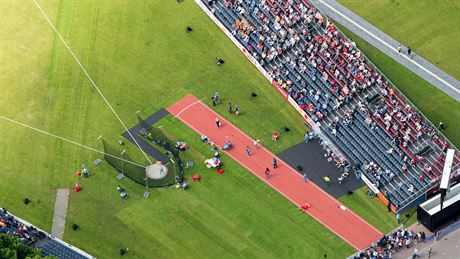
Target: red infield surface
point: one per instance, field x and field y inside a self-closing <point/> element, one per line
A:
<point x="324" y="208"/>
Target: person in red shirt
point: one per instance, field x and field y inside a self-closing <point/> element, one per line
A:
<point x="267" y="173"/>
<point x="275" y="136"/>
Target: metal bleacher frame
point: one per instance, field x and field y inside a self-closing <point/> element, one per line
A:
<point x="423" y="187"/>
<point x="63" y="243"/>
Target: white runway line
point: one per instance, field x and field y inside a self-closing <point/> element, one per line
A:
<point x="183" y="110"/>
<point x="90" y="79"/>
<point x="389" y="46"/>
<point x="66" y="140"/>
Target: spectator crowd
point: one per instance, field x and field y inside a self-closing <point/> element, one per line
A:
<point x="332" y="81"/>
<point x="385" y="247"/>
<point x="11" y="226"/>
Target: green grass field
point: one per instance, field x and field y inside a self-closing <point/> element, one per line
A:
<point x="225" y="216"/>
<point x="431" y="28"/>
<point x="139" y="55"/>
<point x="375" y="212"/>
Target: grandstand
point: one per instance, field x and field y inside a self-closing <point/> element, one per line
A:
<point x="34" y="237"/>
<point x="342" y="95"/>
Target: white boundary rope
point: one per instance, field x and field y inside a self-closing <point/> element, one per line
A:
<point x="66" y="140"/>
<point x="90" y="79"/>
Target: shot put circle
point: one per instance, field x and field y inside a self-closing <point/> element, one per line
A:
<point x="156" y="171"/>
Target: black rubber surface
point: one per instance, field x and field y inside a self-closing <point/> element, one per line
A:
<point x="310" y="156"/>
<point x="146" y="147"/>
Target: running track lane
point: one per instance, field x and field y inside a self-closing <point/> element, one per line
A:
<point x="324" y="208"/>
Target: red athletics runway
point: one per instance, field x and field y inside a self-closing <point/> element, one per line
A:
<point x="324" y="208"/>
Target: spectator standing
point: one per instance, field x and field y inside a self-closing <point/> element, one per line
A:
<point x="237" y="110"/>
<point x="85" y="172"/>
<point x="275" y="163"/>
<point x="415" y="253"/>
<point x="216" y="97"/>
<point x="441" y="125"/>
<point x="218" y="123"/>
<point x="230" y="109"/>
<point x="340" y="179"/>
<point x="327" y="180"/>
<point x="305" y="177"/>
<point x="307" y="137"/>
<point x="248" y="151"/>
<point x="267" y="173"/>
<point x="430" y="252"/>
<point x="275" y="136"/>
<point x="369" y="193"/>
<point x="407" y="243"/>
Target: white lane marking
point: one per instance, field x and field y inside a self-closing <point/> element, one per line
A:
<point x="190" y="105"/>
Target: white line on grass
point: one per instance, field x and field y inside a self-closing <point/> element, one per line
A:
<point x="391" y="47"/>
<point x="90" y="79"/>
<point x="66" y="140"/>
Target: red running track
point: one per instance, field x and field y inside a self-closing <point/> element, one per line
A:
<point x="324" y="208"/>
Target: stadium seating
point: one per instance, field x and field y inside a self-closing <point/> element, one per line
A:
<point x="27" y="234"/>
<point x="51" y="247"/>
<point x="33" y="237"/>
<point x="331" y="80"/>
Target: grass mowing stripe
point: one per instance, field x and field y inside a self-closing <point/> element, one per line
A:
<point x="430" y="28"/>
<point x="66" y="140"/>
<point x="90" y="79"/>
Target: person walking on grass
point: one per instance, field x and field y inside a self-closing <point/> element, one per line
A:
<point x="237" y="110"/>
<point x="441" y="125"/>
<point x="267" y="173"/>
<point x="248" y="151"/>
<point x="275" y="163"/>
<point x="398" y="217"/>
<point x="214" y="100"/>
<point x="305" y="177"/>
<point x="218" y="123"/>
<point x="230" y="108"/>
